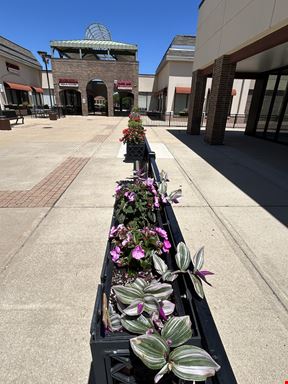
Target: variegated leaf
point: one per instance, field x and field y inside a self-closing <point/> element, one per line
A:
<point x="161" y="373"/>
<point x="151" y="349"/>
<point x="182" y="256"/>
<point x="197" y="284"/>
<point x="178" y="330"/>
<point x="159" y="290"/>
<point x="135" y="308"/>
<point x="137" y="326"/>
<point x="168" y="307"/>
<point x="139" y="284"/>
<point x="127" y="294"/>
<point x="192" y="363"/>
<point x="115" y="320"/>
<point x="169" y="276"/>
<point x="163" y="175"/>
<point x="159" y="264"/>
<point x="150" y="304"/>
<point x="198" y="259"/>
<point x="162" y="189"/>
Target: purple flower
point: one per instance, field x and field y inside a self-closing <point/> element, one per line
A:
<point x="118" y="189"/>
<point x="131" y="196"/>
<point x="153" y="190"/>
<point x="113" y="231"/>
<point x="150" y="331"/>
<point x="149" y="182"/>
<point x="162" y="314"/>
<point x="140" y="308"/>
<point x="166" y="246"/>
<point x="138" y="253"/>
<point x="127" y="240"/>
<point x="115" y="253"/>
<point x="156" y="202"/>
<point x="162" y="232"/>
<point x="164" y="199"/>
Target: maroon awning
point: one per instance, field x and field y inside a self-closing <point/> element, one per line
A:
<point x="17" y="86"/>
<point x="38" y="89"/>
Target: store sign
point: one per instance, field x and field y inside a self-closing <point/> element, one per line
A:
<point x="124" y="85"/>
<point x="72" y="83"/>
<point x="12" y="67"/>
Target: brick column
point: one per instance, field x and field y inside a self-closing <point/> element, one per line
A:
<point x="220" y="97"/>
<point x="256" y="105"/>
<point x="196" y="103"/>
<point x="110" y="91"/>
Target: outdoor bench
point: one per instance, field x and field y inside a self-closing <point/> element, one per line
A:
<point x="11" y="115"/>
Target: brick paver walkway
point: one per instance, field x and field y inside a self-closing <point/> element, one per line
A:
<point x="48" y="190"/>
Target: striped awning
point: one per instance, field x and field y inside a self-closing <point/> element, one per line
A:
<point x="18" y="86"/>
<point x="183" y="90"/>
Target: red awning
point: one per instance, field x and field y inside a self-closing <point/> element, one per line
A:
<point x="38" y="89"/>
<point x="184" y="90"/>
<point x="233" y="92"/>
<point x="19" y="87"/>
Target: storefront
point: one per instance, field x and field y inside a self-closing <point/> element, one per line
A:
<point x="20" y="77"/>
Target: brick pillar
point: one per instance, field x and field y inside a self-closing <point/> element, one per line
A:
<point x="256" y="105"/>
<point x="110" y="91"/>
<point x="196" y="103"/>
<point x="220" y="97"/>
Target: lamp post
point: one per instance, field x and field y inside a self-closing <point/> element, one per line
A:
<point x="46" y="57"/>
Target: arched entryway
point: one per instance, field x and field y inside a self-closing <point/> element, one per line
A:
<point x="123" y="103"/>
<point x="70" y="99"/>
<point x="97" y="97"/>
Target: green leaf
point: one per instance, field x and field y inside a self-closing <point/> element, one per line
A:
<point x="198" y="259"/>
<point x="159" y="264"/>
<point x="197" y="284"/>
<point x="158" y="290"/>
<point x="192" y="363"/>
<point x="161" y="373"/>
<point x="140" y="325"/>
<point x="127" y="295"/>
<point x="151" y="349"/>
<point x="182" y="256"/>
<point x="114" y="320"/>
<point x="178" y="330"/>
<point x="151" y="216"/>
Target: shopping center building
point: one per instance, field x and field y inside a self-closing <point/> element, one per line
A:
<point x="241" y="40"/>
<point x="95" y="74"/>
<point x="20" y="77"/>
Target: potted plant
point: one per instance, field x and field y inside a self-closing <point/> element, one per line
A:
<point x="134" y="137"/>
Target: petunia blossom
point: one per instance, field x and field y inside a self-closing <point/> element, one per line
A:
<point x="113" y="231"/>
<point x="166" y="246"/>
<point x="138" y="253"/>
<point x="156" y="202"/>
<point x="162" y="232"/>
<point x="115" y="253"/>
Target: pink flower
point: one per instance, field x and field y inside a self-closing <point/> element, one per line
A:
<point x="115" y="253"/>
<point x="113" y="231"/>
<point x="131" y="196"/>
<point x="156" y="202"/>
<point x="118" y="189"/>
<point x="138" y="253"/>
<point x="149" y="182"/>
<point x="162" y="232"/>
<point x="166" y="246"/>
<point x="127" y="240"/>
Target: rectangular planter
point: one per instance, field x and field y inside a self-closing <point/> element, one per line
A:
<point x="112" y="359"/>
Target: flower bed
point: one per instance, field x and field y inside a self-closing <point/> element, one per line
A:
<point x="134" y="137"/>
<point x="151" y="320"/>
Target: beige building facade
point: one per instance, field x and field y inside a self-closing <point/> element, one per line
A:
<point x="20" y="76"/>
<point x="241" y="40"/>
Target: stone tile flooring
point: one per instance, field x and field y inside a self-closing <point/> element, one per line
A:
<point x="48" y="190"/>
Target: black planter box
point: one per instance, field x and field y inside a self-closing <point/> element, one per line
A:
<point x="135" y="151"/>
<point x="113" y="362"/>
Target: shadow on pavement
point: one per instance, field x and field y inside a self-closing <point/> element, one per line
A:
<point x="258" y="167"/>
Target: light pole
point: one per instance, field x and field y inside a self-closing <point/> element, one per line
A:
<point x="46" y="57"/>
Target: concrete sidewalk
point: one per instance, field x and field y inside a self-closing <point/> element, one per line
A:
<point x="235" y="203"/>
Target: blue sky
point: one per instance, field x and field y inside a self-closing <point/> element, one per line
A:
<point x="150" y="24"/>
